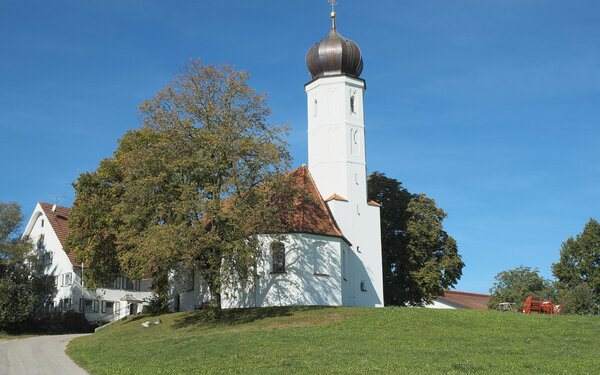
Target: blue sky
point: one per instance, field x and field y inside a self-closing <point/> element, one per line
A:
<point x="490" y="107"/>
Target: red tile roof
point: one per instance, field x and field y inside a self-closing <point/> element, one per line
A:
<point x="310" y="215"/>
<point x="309" y="212"/>
<point x="465" y="300"/>
<point x="58" y="221"/>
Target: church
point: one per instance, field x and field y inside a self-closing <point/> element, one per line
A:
<point x="330" y="254"/>
<point x="330" y="251"/>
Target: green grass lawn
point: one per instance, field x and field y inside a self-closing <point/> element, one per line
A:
<point x="345" y="341"/>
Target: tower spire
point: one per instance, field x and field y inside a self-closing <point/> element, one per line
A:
<point x="333" y="14"/>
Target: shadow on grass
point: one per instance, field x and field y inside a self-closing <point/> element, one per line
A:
<point x="213" y="318"/>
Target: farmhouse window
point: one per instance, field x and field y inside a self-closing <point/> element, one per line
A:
<point x="67" y="279"/>
<point x="108" y="307"/>
<point x="66" y="304"/>
<point x="47" y="258"/>
<point x="124" y="283"/>
<point x="88" y="306"/>
<point x="40" y="242"/>
<point x="128" y="284"/>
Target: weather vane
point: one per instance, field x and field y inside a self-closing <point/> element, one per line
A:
<point x="332" y="2"/>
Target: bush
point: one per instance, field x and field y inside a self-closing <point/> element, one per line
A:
<point x="579" y="300"/>
<point x="156" y="306"/>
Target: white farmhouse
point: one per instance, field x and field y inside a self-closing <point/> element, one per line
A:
<point x="331" y="251"/>
<point x="48" y="228"/>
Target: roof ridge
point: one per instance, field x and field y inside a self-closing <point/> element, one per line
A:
<point x="54" y="204"/>
<point x="466" y="293"/>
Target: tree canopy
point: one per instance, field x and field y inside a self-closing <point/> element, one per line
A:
<point x="192" y="186"/>
<point x="516" y="284"/>
<point x="420" y="259"/>
<point x="578" y="271"/>
<point x="22" y="286"/>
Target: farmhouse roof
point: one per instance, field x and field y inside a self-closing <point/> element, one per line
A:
<point x="58" y="220"/>
<point x="465" y="300"/>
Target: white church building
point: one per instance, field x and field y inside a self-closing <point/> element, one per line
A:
<point x="330" y="253"/>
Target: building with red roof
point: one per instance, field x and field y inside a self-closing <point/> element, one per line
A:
<point x="48" y="228"/>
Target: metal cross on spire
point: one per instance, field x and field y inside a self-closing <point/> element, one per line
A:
<point x="332" y="2"/>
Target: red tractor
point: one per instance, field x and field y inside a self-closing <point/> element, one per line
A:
<point x="536" y="304"/>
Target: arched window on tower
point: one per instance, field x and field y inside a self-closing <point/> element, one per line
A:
<point x="352" y="104"/>
<point x="315" y="105"/>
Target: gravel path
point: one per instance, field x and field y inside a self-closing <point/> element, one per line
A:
<point x="37" y="355"/>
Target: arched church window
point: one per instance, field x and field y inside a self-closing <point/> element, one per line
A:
<point x="352" y="106"/>
<point x="278" y="256"/>
<point x="189" y="280"/>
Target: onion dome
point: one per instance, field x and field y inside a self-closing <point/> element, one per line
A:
<point x="334" y="55"/>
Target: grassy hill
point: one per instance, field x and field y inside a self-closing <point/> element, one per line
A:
<point x="344" y="341"/>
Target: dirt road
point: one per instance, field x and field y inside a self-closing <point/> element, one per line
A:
<point x="37" y="355"/>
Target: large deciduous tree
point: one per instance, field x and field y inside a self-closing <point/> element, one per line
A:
<point x="192" y="186"/>
<point x="578" y="271"/>
<point x="22" y="285"/>
<point x="516" y="284"/>
<point x="420" y="259"/>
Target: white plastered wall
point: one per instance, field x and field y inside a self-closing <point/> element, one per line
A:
<point x="302" y="283"/>
<point x="39" y="225"/>
<point x="337" y="162"/>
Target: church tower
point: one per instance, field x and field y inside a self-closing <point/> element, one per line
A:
<point x="337" y="160"/>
